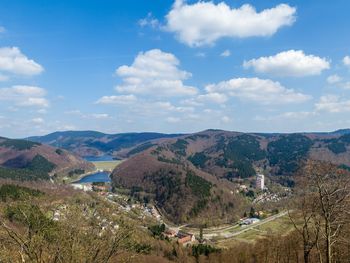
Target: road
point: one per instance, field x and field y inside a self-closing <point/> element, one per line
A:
<point x="226" y="232"/>
<point x="262" y="222"/>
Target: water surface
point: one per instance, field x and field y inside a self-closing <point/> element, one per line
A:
<point x="98" y="177"/>
<point x="102" y="158"/>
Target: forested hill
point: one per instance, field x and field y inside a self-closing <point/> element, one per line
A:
<point x="203" y="168"/>
<point x="92" y="143"/>
<point x="27" y="160"/>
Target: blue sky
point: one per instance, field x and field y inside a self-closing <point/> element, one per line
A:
<point x="173" y="66"/>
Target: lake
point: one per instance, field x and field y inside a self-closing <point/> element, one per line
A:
<point x="97" y="177"/>
<point x="102" y="158"/>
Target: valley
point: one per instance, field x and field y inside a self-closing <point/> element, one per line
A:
<point x="214" y="190"/>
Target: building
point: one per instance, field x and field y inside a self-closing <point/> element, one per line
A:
<point x="249" y="221"/>
<point x="260" y="182"/>
<point x="185" y="238"/>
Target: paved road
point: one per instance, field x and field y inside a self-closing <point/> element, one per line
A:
<point x="225" y="231"/>
<point x="262" y="222"/>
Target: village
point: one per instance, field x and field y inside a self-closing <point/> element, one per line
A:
<point x="184" y="234"/>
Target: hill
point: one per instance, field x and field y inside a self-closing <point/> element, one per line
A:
<point x="196" y="177"/>
<point x="27" y="160"/>
<point x="92" y="143"/>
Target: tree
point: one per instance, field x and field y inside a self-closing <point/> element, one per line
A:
<point x="305" y="221"/>
<point x="330" y="188"/>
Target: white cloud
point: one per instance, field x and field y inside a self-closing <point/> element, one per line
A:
<point x="225" y="119"/>
<point x="150" y="21"/>
<point x="38" y="121"/>
<point x="167" y="106"/>
<point x="200" y="54"/>
<point x="213" y="97"/>
<point x="333" y="79"/>
<point x="13" y="61"/>
<point x="263" y="91"/>
<point x="2" y="29"/>
<point x="289" y="63"/>
<point x="226" y="53"/>
<point x="203" y="23"/>
<point x="120" y="99"/>
<point x="291" y="115"/>
<point x="38" y="102"/>
<point x="346" y="85"/>
<point x="346" y="61"/>
<point x="25" y="96"/>
<point x="100" y="116"/>
<point x="154" y="73"/>
<point x="173" y="120"/>
<point x="332" y="104"/>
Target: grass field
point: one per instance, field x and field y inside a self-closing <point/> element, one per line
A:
<point x="106" y="165"/>
<point x="279" y="226"/>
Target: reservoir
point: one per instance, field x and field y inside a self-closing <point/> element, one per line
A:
<point x="102" y="158"/>
<point x="98" y="177"/>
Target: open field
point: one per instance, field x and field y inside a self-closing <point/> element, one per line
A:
<point x="278" y="226"/>
<point x="228" y="235"/>
<point x="106" y="165"/>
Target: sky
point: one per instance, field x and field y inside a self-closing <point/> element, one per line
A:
<point x="173" y="66"/>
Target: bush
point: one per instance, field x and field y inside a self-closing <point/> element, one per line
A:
<point x="157" y="230"/>
<point x="202" y="249"/>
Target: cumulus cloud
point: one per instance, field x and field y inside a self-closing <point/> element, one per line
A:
<point x="12" y="60"/>
<point x="213" y="97"/>
<point x="289" y="63"/>
<point x="333" y="79"/>
<point x="333" y="104"/>
<point x="262" y="91"/>
<point x="24" y="96"/>
<point x="167" y="106"/>
<point x="226" y="53"/>
<point x="154" y="73"/>
<point x="203" y="23"/>
<point x="120" y="99"/>
<point x="346" y="61"/>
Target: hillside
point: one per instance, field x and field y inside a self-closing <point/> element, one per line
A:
<point x="196" y="176"/>
<point x="27" y="160"/>
<point x="91" y="143"/>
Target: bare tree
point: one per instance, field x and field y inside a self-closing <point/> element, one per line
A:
<point x="331" y="187"/>
<point x="305" y="221"/>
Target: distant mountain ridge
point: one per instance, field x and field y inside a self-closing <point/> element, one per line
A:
<point x="124" y="145"/>
<point x="92" y="143"/>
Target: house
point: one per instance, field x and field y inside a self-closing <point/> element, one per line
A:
<point x="84" y="187"/>
<point x="185" y="238"/>
<point x="249" y="221"/>
<point x="100" y="188"/>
